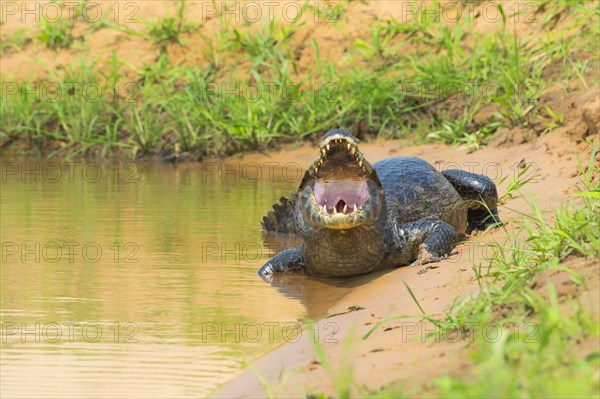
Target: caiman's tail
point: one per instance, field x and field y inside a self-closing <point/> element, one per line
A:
<point x="281" y="218"/>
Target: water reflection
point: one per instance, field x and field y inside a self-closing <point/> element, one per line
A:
<point x="318" y="294"/>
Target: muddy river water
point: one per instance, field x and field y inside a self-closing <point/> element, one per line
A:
<point x="123" y="280"/>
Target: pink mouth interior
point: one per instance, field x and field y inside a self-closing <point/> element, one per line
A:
<point x="336" y="194"/>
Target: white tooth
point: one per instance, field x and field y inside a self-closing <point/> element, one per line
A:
<point x="348" y="146"/>
<point x="323" y="151"/>
<point x="354" y="208"/>
<point x="353" y="150"/>
<point x="316" y="170"/>
<point x="328" y="147"/>
<point x="360" y="163"/>
<point x="345" y="208"/>
<point x="325" y="208"/>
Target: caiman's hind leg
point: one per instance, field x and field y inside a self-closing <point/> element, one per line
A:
<point x="421" y="242"/>
<point x="476" y="189"/>
<point x="281" y="218"/>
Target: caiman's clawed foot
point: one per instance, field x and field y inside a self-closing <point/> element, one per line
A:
<point x="424" y="256"/>
<point x="288" y="261"/>
<point x="481" y="220"/>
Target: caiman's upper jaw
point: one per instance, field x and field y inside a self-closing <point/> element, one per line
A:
<point x="339" y="158"/>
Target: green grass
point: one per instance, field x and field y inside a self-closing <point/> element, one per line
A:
<point x="178" y="107"/>
<point x="14" y="42"/>
<point x="57" y="33"/>
<point x="169" y="30"/>
<point x="536" y="364"/>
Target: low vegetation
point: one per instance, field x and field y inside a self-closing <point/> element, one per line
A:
<point x="14" y="42"/>
<point x="176" y="111"/>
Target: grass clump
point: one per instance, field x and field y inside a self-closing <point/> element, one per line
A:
<point x="533" y="363"/>
<point x="169" y="30"/>
<point x="57" y="33"/>
<point x="14" y="42"/>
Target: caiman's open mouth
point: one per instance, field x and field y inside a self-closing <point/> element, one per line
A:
<point x="341" y="196"/>
<point x="340" y="190"/>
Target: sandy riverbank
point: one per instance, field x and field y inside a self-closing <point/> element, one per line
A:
<point x="396" y="353"/>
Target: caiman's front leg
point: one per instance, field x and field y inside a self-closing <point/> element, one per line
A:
<point x="421" y="242"/>
<point x="288" y="261"/>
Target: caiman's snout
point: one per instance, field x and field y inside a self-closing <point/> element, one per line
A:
<point x="340" y="190"/>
